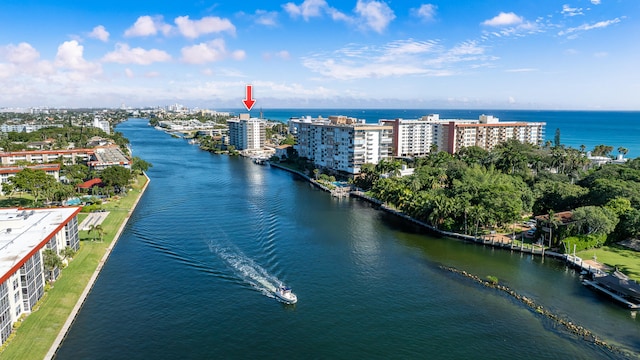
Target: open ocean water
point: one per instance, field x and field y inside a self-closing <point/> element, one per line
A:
<point x="193" y="274"/>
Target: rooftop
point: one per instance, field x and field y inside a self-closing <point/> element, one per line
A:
<point x="25" y="231"/>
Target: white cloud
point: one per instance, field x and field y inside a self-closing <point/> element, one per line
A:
<point x="339" y="16"/>
<point x="283" y="54"/>
<point x="587" y="27"/>
<point x="70" y="56"/>
<point x="409" y="47"/>
<point x="521" y="70"/>
<point x="211" y="51"/>
<point x="23" y="59"/>
<point x="266" y="18"/>
<point x="595" y="2"/>
<point x="601" y="54"/>
<point x="129" y="73"/>
<point x="147" y="26"/>
<point x="23" y="53"/>
<point x="207" y="25"/>
<point x="123" y="54"/>
<point x="308" y="8"/>
<point x="504" y="19"/>
<point x="369" y="14"/>
<point x="376" y="14"/>
<point x="426" y="12"/>
<point x="398" y="58"/>
<point x="6" y="71"/>
<point x="569" y="11"/>
<point x="100" y="33"/>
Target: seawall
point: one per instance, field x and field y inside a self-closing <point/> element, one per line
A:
<point x="67" y="325"/>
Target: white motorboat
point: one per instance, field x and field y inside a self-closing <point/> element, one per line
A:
<point x="284" y="294"/>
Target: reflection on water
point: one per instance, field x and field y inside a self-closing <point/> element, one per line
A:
<point x="181" y="282"/>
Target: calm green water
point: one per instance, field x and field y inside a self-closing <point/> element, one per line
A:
<point x="192" y="275"/>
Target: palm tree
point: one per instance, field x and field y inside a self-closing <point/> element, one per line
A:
<point x="50" y="261"/>
<point x="623" y="151"/>
<point x="67" y="253"/>
<point x="97" y="229"/>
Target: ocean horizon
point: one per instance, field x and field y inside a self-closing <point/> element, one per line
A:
<point x="577" y="127"/>
<point x="193" y="275"/>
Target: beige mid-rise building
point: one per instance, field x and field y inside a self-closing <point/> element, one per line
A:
<point x="488" y="132"/>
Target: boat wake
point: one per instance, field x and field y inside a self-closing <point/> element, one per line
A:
<point x="247" y="269"/>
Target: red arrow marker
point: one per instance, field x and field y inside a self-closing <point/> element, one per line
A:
<point x="248" y="100"/>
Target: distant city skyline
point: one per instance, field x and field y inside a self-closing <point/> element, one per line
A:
<point x="579" y="54"/>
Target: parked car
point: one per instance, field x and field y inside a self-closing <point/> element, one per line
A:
<point x="531" y="232"/>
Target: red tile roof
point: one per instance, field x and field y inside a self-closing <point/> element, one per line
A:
<point x="90" y="183"/>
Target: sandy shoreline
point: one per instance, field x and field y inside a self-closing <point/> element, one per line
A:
<point x="67" y="325"/>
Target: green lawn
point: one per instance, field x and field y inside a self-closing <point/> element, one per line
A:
<point x="627" y="261"/>
<point x="38" y="331"/>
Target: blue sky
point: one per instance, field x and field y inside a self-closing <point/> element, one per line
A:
<point x="574" y="54"/>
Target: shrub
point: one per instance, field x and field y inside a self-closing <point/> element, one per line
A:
<point x="90" y="208"/>
<point x="583" y="242"/>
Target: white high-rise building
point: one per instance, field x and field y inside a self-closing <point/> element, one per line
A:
<point x="247" y="133"/>
<point x="102" y="125"/>
<point x="340" y="143"/>
<point x="415" y="137"/>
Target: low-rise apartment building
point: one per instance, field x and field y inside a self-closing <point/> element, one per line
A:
<point x="72" y="156"/>
<point x="7" y="172"/>
<point x="97" y="158"/>
<point x="24" y="235"/>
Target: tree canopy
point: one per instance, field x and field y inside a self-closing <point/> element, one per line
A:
<point x="116" y="177"/>
<point x="478" y="189"/>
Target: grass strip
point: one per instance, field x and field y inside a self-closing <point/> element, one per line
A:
<point x="38" y="331"/>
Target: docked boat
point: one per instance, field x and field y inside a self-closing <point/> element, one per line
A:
<point x="619" y="286"/>
<point x="284" y="294"/>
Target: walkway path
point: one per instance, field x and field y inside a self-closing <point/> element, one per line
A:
<point x="95" y="218"/>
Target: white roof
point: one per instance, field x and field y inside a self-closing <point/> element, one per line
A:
<point x="22" y="231"/>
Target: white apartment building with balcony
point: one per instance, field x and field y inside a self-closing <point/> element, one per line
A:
<point x="24" y="235"/>
<point x="340" y="143"/>
<point x="415" y="137"/>
<point x="418" y="137"/>
<point x="103" y="125"/>
<point x="247" y="133"/>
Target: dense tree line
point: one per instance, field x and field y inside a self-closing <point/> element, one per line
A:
<point x="61" y="138"/>
<point x="476" y="190"/>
